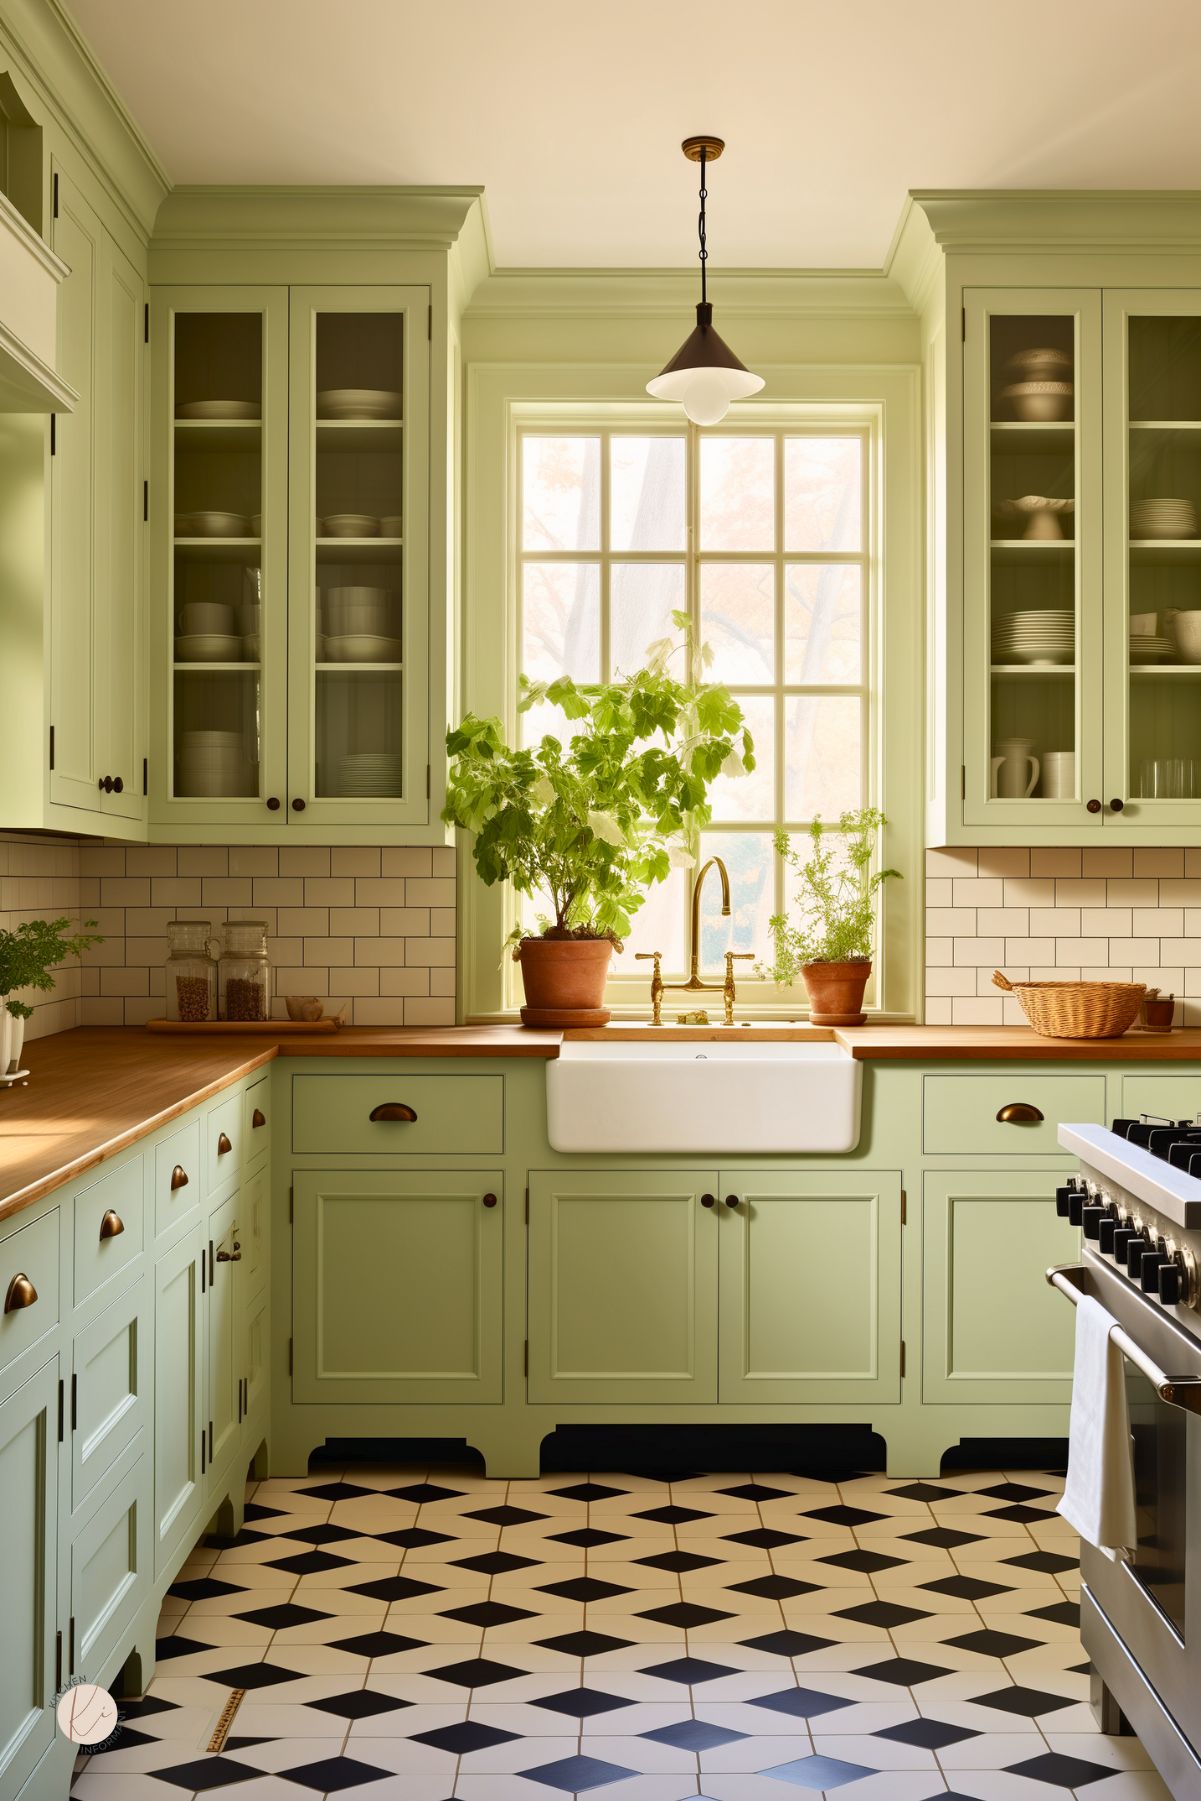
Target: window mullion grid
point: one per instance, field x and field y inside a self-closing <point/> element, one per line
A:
<point x="778" y="721"/>
<point x="605" y="560"/>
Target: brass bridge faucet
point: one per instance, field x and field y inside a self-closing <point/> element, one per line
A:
<point x="694" y="985"/>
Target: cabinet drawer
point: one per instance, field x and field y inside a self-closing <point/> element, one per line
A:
<point x="960" y="1112"/>
<point x="223" y="1142"/>
<point x="429" y="1114"/>
<point x="177" y="1183"/>
<point x="1171" y="1097"/>
<point x="108" y="1227"/>
<point x="31" y="1252"/>
<point x="256" y="1119"/>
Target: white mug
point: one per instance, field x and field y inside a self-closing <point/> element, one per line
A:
<point x="1008" y="767"/>
<point x="1059" y="775"/>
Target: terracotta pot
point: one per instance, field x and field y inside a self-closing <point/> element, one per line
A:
<point x="565" y="981"/>
<point x="836" y="992"/>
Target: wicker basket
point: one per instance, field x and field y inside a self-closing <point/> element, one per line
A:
<point x="1076" y="1009"/>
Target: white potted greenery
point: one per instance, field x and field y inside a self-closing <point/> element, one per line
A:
<point x="28" y="955"/>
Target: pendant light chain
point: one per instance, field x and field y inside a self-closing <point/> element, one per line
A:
<point x="701" y="227"/>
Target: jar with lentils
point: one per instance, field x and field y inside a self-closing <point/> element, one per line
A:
<point x="244" y="973"/>
<point x="191" y="971"/>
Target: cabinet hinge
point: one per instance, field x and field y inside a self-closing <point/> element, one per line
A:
<point x="53" y="433"/>
<point x="289" y="1356"/>
<point x="902" y="1357"/>
<point x="527" y="1206"/>
<point x="210" y="1441"/>
<point x="963" y="781"/>
<point x="904" y="1207"/>
<point x="52" y="747"/>
<point x="71" y="1646"/>
<point x="58" y="1661"/>
<point x="429" y="323"/>
<point x="212" y="1264"/>
<point x="203" y="1268"/>
<point x="145" y="502"/>
<point x="525" y="1361"/>
<point x="146" y="322"/>
<point x="60" y="1410"/>
<point x="203" y="1464"/>
<point x="54" y="202"/>
<point x="291" y="1203"/>
<point x="145" y="775"/>
<point x="963" y="324"/>
<point x="74" y="1401"/>
<point x="429" y="777"/>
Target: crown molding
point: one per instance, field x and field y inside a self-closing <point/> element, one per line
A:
<point x="915" y="258"/>
<point x="672" y="293"/>
<point x="1076" y="220"/>
<point x="279" y="218"/>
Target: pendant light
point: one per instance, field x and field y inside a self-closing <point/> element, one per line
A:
<point x="704" y="375"/>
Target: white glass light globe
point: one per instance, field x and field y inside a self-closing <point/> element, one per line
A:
<point x="705" y="390"/>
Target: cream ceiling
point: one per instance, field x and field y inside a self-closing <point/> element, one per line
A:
<point x="571" y="115"/>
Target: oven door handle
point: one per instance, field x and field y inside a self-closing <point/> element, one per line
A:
<point x="1177" y="1391"/>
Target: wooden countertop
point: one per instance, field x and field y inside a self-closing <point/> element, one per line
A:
<point x="94" y="1091"/>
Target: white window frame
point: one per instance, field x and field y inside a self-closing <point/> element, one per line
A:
<point x="839" y="402"/>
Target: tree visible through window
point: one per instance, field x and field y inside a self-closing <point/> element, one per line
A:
<point x="762" y="536"/>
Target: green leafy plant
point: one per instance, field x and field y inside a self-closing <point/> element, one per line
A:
<point x="31" y="951"/>
<point x="835" y="896"/>
<point x="590" y="822"/>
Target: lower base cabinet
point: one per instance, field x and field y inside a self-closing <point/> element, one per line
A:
<point x="703" y="1285"/>
<point x="111" y="1563"/>
<point x="178" y="1394"/>
<point x="28" y="1573"/>
<point x="994" y="1331"/>
<point x="398" y="1286"/>
<point x="110" y="1388"/>
<point x="220" y="1332"/>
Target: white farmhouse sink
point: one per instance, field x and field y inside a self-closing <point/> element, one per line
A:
<point x="751" y="1097"/>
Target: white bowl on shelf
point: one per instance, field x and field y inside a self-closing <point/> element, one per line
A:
<point x="358" y="403"/>
<point x="356" y="609"/>
<point x="1041" y="402"/>
<point x="1041" y="363"/>
<point x="362" y="647"/>
<point x="211" y="523"/>
<point x="391" y="525"/>
<point x="208" y="647"/>
<point x="350" y="525"/>
<point x="219" y="409"/>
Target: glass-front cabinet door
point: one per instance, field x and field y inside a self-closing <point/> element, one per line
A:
<point x="221" y="414"/>
<point x="1032" y="556"/>
<point x="1153" y="557"/>
<point x="360" y="448"/>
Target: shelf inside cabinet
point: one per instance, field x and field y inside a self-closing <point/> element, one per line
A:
<point x="1165" y="671"/>
<point x="213" y="668"/>
<point x="1040" y="439"/>
<point x="1033" y="671"/>
<point x="218" y="434"/>
<point x="218" y="550"/>
<point x="358" y="668"/>
<point x="1193" y="425"/>
<point x="1165" y="550"/>
<point x="1021" y="550"/>
<point x="358" y="550"/>
<point x="359" y="434"/>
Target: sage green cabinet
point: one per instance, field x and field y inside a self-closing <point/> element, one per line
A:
<point x="253" y="1348"/>
<point x="180" y="1424"/>
<point x="110" y="1564"/>
<point x="993" y="1329"/>
<point x="110" y="1388"/>
<point x="1016" y="1113"/>
<point x="623" y="1285"/>
<point x="810" y="1291"/>
<point x="96" y="625"/>
<point x="224" y="1249"/>
<point x="28" y="1574"/>
<point x="397" y="1285"/>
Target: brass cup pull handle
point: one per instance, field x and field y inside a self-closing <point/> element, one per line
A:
<point x="179" y="1177"/>
<point x="257" y="1118"/>
<point x="393" y="1110"/>
<point x="1019" y="1113"/>
<point x="21" y="1293"/>
<point x="708" y="1200"/>
<point x="489" y="1200"/>
<point x="111" y="1225"/>
<point x="223" y="1144"/>
<point x="732" y="1200"/>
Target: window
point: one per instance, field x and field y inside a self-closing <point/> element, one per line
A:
<point x="764" y="537"/>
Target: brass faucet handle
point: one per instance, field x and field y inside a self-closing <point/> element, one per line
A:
<point x="654" y="957"/>
<point x="645" y="956"/>
<point x="740" y="956"/>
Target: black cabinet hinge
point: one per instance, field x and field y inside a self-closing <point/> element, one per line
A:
<point x="52" y="747"/>
<point x="203" y="1464"/>
<point x="60" y="1410"/>
<point x="291" y="1204"/>
<point x="54" y="202"/>
<point x="58" y="1661"/>
<point x="74" y="1401"/>
<point x="963" y="781"/>
<point x="71" y="1646"/>
<point x="963" y="325"/>
<point x="145" y="502"/>
<point x="429" y="323"/>
<point x="527" y="1206"/>
<point x="53" y="433"/>
<point x="904" y="1207"/>
<point x="525" y="1361"/>
<point x="146" y="322"/>
<point x="210" y="1441"/>
<point x="289" y="1356"/>
<point x="429" y="777"/>
<point x="145" y="775"/>
<point x="902" y="1357"/>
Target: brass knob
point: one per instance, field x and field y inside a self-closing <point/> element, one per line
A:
<point x="393" y="1110"/>
<point x="21" y="1293"/>
<point x="179" y="1177"/>
<point x="732" y="1200"/>
<point x="489" y="1200"/>
<point x="223" y="1144"/>
<point x="1019" y="1113"/>
<point x="111" y="1225"/>
<point x="257" y="1119"/>
<point x="707" y="1200"/>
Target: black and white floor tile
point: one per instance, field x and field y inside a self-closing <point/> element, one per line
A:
<point x="422" y="1634"/>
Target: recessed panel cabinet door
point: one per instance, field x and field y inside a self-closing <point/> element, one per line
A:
<point x="29" y="1507"/>
<point x="810" y="1285"/>
<point x="623" y="1286"/>
<point x="121" y="624"/>
<point x="994" y="1330"/>
<point x="220" y="1328"/>
<point x="398" y="1285"/>
<point x="178" y="1392"/>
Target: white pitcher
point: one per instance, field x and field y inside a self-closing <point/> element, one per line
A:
<point x="1009" y="766"/>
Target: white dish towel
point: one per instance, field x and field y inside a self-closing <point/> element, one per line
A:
<point x="1098" y="1499"/>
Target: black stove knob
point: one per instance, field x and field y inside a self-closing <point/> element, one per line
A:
<point x="1136" y="1250"/>
<point x="1091" y="1217"/>
<point x="1062" y="1198"/>
<point x="1121" y="1239"/>
<point x="1076" y="1202"/>
<point x="1105" y="1232"/>
<point x="1170" y="1286"/>
<point x="1148" y="1270"/>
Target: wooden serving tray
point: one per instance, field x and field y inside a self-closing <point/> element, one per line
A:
<point x="219" y="1027"/>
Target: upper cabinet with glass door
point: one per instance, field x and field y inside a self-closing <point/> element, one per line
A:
<point x="1032" y="562"/>
<point x="1153" y="557"/>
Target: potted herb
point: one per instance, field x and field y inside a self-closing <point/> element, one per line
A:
<point x="836" y="897"/>
<point x="585" y="824"/>
<point x="28" y="954"/>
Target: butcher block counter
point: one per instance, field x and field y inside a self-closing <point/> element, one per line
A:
<point x="96" y="1090"/>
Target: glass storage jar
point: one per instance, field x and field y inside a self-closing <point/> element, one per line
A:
<point x="191" y="971"/>
<point x="245" y="971"/>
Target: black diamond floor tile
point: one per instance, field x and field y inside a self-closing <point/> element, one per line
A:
<point x="587" y="1538"/>
<point x="689" y="1670"/>
<point x="206" y="1773"/>
<point x="175" y="1646"/>
<point x="1050" y="1563"/>
<point x="359" y="1704"/>
<point x="582" y="1703"/>
<point x="584" y="1588"/>
<point x="584" y="1644"/>
<point x="672" y="1516"/>
<point x="143" y="1708"/>
<point x="251" y="1675"/>
<point x="993" y="1644"/>
<point x="253" y="1511"/>
<point x="202" y="1588"/>
<point x="377" y="1644"/>
<point x="866" y="1561"/>
<point x="279" y="1618"/>
<point x="764" y="1538"/>
<point x="227" y="1542"/>
<point x="464" y="1736"/>
<point x="905" y="1672"/>
<point x="505" y="1516"/>
<point x="475" y="1672"/>
<point x="577" y="1775"/>
<point x="587" y="1491"/>
<point x="322" y="1534"/>
<point x="942" y="1538"/>
<point x="336" y="1491"/>
<point x="1062" y="1613"/>
<point x="309" y="1563"/>
<point x="965" y="1588"/>
<point x="924" y="1491"/>
<point x="495" y="1563"/>
<point x="773" y="1588"/>
<point x="931" y="1735"/>
<point x="393" y="1588"/>
<point x="817" y="1772"/>
<point x="1029" y="1702"/>
<point x="1016" y="1491"/>
<point x="486" y="1614"/>
<point x="801" y="1703"/>
<point x="786" y="1643"/>
<point x="421" y="1493"/>
<point x="410" y="1538"/>
<point x="840" y="1515"/>
<point x="755" y="1491"/>
<point x="687" y="1615"/>
<point x="1021" y="1514"/>
<point x="332" y="1774"/>
<point x="679" y="1562"/>
<point x="1068" y="1772"/>
<point x="693" y="1735"/>
<point x="881" y="1613"/>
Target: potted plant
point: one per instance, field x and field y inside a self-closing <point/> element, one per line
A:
<point x="585" y="824"/>
<point x="28" y="954"/>
<point x="836" y="895"/>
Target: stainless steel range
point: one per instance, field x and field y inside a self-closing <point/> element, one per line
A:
<point x="1137" y="1199"/>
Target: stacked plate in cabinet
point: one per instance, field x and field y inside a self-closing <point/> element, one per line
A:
<point x="212" y="763"/>
<point x="369" y="774"/>
<point x="1163" y="518"/>
<point x="1037" y="638"/>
